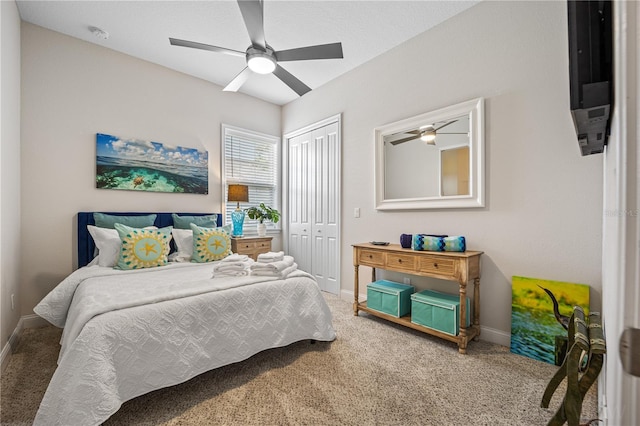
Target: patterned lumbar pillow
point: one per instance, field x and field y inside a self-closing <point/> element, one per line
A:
<point x="142" y="248"/>
<point x="210" y="244"/>
<point x="427" y="242"/>
<point x="457" y="243"/>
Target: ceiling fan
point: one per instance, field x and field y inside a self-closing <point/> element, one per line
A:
<point x="261" y="58"/>
<point x="425" y="133"/>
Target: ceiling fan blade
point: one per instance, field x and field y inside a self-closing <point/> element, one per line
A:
<point x="320" y="51"/>
<point x="445" y="125"/>
<point x="202" y="46"/>
<point x="403" y="140"/>
<point x="253" y="15"/>
<point x="237" y="82"/>
<point x="287" y="78"/>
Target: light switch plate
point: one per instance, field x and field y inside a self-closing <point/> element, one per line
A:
<point x="630" y="351"/>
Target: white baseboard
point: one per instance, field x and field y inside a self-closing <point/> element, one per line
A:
<point x="348" y="296"/>
<point x="496" y="336"/>
<point x="33" y="321"/>
<point x="11" y="345"/>
<point x="487" y="334"/>
<point x="26" y="321"/>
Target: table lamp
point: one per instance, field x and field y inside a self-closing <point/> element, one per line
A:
<point x="238" y="193"/>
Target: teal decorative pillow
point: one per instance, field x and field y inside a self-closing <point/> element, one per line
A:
<point x="184" y="222"/>
<point x="427" y="242"/>
<point x="142" y="248"/>
<point x="210" y="244"/>
<point x="455" y="244"/>
<point x="108" y="220"/>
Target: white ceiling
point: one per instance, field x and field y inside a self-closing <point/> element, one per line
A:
<point x="142" y="29"/>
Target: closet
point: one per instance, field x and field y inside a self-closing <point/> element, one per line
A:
<point x="313" y="200"/>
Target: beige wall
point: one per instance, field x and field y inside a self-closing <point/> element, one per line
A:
<point x="72" y="90"/>
<point x="9" y="169"/>
<point x="543" y="214"/>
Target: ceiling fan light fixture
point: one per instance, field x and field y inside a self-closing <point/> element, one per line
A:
<point x="428" y="136"/>
<point x="261" y="62"/>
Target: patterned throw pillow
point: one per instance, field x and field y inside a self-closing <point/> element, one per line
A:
<point x="143" y="248"/>
<point x="210" y="244"/>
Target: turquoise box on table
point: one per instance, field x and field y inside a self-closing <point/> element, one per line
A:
<point x="438" y="311"/>
<point x="389" y="297"/>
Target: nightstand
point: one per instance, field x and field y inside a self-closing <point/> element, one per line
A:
<point x="251" y="246"/>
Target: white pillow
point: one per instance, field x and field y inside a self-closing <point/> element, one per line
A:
<point x="108" y="244"/>
<point x="184" y="245"/>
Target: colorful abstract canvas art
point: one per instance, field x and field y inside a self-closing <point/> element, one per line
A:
<point x="140" y="165"/>
<point x="540" y="310"/>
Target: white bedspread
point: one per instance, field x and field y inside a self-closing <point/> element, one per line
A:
<point x="127" y="333"/>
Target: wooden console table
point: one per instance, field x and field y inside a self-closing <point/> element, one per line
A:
<point x="460" y="267"/>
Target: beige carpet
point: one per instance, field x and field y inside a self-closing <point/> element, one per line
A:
<point x="375" y="373"/>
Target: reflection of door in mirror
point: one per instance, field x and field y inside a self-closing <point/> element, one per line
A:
<point x="413" y="164"/>
<point x="455" y="171"/>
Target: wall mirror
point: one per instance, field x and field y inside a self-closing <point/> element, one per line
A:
<point x="433" y="160"/>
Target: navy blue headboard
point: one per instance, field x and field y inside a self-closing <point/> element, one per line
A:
<point x="86" y="246"/>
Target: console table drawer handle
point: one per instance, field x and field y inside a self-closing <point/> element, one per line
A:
<point x="435" y="265"/>
<point x="399" y="260"/>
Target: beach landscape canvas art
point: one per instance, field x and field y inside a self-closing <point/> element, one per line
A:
<point x="140" y="165"/>
<point x="540" y="311"/>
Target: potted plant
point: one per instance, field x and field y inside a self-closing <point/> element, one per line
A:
<point x="262" y="213"/>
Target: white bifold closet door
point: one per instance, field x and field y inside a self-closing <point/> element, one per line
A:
<point x="314" y="203"/>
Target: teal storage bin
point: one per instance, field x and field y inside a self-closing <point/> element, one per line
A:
<point x="439" y="311"/>
<point x="389" y="297"/>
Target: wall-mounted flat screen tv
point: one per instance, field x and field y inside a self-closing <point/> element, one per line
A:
<point x="591" y="72"/>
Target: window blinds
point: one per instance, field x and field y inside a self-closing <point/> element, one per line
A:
<point x="251" y="159"/>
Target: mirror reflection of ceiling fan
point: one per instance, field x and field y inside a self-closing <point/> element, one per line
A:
<point x="425" y="133"/>
<point x="260" y="57"/>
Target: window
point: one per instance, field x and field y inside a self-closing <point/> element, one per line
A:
<point x="250" y="158"/>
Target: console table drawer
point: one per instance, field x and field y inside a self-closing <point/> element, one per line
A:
<point x="401" y="261"/>
<point x="437" y="265"/>
<point x="263" y="246"/>
<point x="246" y="246"/>
<point x="371" y="258"/>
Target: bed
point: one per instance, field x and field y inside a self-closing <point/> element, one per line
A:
<point x="129" y="332"/>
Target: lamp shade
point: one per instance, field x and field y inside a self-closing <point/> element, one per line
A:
<point x="238" y="193"/>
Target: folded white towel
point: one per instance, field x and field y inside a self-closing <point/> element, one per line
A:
<point x="230" y="266"/>
<point x="235" y="257"/>
<point x="230" y="273"/>
<point x="231" y="269"/>
<point x="271" y="273"/>
<point x="278" y="266"/>
<point x="271" y="256"/>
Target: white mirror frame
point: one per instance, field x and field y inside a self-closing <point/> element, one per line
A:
<point x="475" y="109"/>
